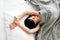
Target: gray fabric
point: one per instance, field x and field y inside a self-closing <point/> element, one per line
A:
<point x="44" y="15"/>
<point x="51" y="29"/>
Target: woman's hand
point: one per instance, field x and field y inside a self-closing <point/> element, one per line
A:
<point x="14" y="23"/>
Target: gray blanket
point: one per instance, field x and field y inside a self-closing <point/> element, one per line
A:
<point x="51" y="29"/>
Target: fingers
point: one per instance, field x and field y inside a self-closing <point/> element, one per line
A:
<point x="12" y="26"/>
<point x="15" y="18"/>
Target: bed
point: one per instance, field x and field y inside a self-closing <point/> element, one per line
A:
<point x="14" y="8"/>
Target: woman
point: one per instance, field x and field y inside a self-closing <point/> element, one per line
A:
<point x="31" y="22"/>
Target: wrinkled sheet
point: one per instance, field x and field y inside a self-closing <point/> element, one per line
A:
<point x="51" y="29"/>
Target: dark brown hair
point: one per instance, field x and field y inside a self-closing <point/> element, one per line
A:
<point x="30" y="23"/>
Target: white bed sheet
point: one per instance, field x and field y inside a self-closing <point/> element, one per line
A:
<point x="15" y="8"/>
<point x="2" y="29"/>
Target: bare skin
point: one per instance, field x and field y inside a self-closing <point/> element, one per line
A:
<point x="13" y="25"/>
<point x="23" y="27"/>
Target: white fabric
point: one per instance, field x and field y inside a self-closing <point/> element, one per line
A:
<point x="16" y="33"/>
<point x="15" y="8"/>
<point x="2" y="28"/>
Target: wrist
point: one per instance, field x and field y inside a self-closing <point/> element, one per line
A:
<point x="12" y="25"/>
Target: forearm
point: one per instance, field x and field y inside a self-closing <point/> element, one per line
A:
<point x="36" y="13"/>
<point x="12" y="25"/>
<point x="21" y="16"/>
<point x="27" y="30"/>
